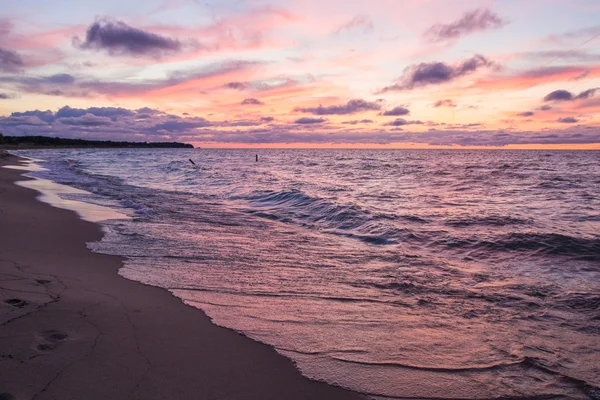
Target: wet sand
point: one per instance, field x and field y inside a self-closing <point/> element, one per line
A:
<point x="72" y="328"/>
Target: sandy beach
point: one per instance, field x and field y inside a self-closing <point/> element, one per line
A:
<point x="72" y="328"/>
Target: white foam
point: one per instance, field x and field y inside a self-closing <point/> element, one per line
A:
<point x="54" y="194"/>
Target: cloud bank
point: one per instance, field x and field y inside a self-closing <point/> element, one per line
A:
<point x="147" y="124"/>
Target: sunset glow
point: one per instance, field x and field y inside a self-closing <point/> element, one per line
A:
<point x="257" y="73"/>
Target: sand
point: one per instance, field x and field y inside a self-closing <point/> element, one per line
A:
<point x="72" y="328"/>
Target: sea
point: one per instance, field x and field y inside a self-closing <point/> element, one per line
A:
<point x="399" y="274"/>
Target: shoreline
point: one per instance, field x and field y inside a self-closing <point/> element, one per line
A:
<point x="72" y="327"/>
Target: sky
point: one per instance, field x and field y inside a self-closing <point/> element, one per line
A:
<point x="310" y="73"/>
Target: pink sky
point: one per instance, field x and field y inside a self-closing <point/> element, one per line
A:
<point x="378" y="73"/>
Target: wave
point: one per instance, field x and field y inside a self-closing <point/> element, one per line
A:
<point x="493" y="220"/>
<point x="347" y="220"/>
<point x="584" y="249"/>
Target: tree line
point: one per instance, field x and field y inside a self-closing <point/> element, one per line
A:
<point x="46" y="141"/>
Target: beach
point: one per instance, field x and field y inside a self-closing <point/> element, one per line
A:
<point x="72" y="328"/>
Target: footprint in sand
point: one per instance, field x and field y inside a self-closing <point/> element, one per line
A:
<point x="49" y="340"/>
<point x="16" y="303"/>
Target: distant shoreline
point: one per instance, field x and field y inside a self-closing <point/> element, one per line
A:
<point x="34" y="147"/>
<point x="39" y="142"/>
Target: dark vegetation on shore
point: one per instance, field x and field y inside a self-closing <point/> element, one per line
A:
<point x="10" y="142"/>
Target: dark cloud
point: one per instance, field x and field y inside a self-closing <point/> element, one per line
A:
<point x="444" y="103"/>
<point x="565" y="95"/>
<point x="308" y="120"/>
<point x="118" y="38"/>
<point x="568" y="120"/>
<point x="472" y="21"/>
<point x="402" y="122"/>
<point x="62" y="79"/>
<point x="545" y="108"/>
<point x="363" y="22"/>
<point x="396" y="112"/>
<point x="352" y="107"/>
<point x="525" y="114"/>
<point x="5" y="96"/>
<point x="267" y="119"/>
<point x="10" y="61"/>
<point x="424" y="74"/>
<point x="237" y="85"/>
<point x="559" y="95"/>
<point x="252" y="101"/>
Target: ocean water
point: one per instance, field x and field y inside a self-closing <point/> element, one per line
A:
<point x="417" y="274"/>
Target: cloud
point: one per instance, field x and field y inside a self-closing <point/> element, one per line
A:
<point x="180" y="125"/>
<point x="363" y="22"/>
<point x="402" y="122"/>
<point x="579" y="55"/>
<point x="5" y="96"/>
<point x="444" y="103"/>
<point x="86" y="120"/>
<point x="10" y="61"/>
<point x="267" y="119"/>
<point x="565" y="95"/>
<point x="568" y="120"/>
<point x="308" y="120"/>
<point x="58" y="84"/>
<point x="581" y="76"/>
<point x="545" y="107"/>
<point x="118" y="38"/>
<point x="61" y="79"/>
<point x="559" y="95"/>
<point x="396" y="112"/>
<point x="525" y="114"/>
<point x="252" y="101"/>
<point x="46" y="116"/>
<point x="352" y="107"/>
<point x="472" y="21"/>
<point x="588" y="33"/>
<point x="424" y="74"/>
<point x="112" y="123"/>
<point x="81" y="86"/>
<point x="355" y="122"/>
<point x="112" y="113"/>
<point x="586" y="94"/>
<point x="237" y="85"/>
